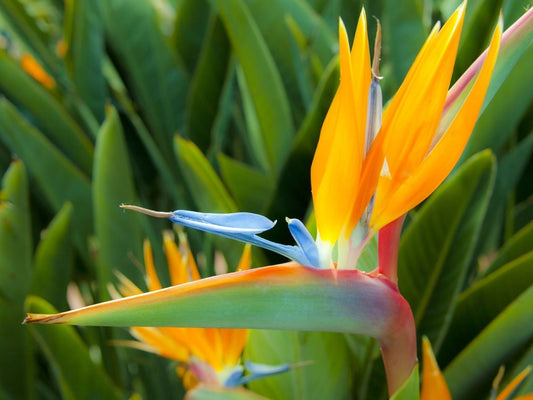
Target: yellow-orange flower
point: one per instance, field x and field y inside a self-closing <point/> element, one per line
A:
<point x="206" y="355"/>
<point x="370" y="171"/>
<point x="34" y="69"/>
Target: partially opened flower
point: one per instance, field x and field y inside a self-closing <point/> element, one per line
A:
<point x="206" y="355"/>
<point x="434" y="386"/>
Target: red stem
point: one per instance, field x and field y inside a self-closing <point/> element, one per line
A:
<point x="388" y="244"/>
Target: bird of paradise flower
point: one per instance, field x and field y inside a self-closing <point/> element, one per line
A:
<point x="369" y="170"/>
<point x="207" y="357"/>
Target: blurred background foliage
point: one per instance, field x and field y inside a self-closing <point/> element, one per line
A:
<point x="217" y="106"/>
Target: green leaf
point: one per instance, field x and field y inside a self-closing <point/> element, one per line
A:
<point x="192" y="21"/>
<point x="250" y="188"/>
<point x="410" y="390"/>
<point x="77" y="376"/>
<point x="477" y="365"/>
<point x="84" y="59"/>
<point x="214" y="393"/>
<point x="510" y="169"/>
<point x="404" y="34"/>
<point x="53" y="260"/>
<point x="56" y="176"/>
<point x="118" y="233"/>
<point x="316" y="41"/>
<point x="499" y="119"/>
<point x="263" y="80"/>
<point x="436" y="248"/>
<point x="482" y="302"/>
<point x="15" y="275"/>
<point x="207" y="84"/>
<point x="207" y="190"/>
<point x="515" y="247"/>
<point x="156" y="77"/>
<point x="48" y="113"/>
<point x="327" y="355"/>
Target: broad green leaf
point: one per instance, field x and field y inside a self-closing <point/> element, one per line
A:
<point x="436" y="248"/>
<point x="477" y="365"/>
<point x="526" y="360"/>
<point x="404" y="33"/>
<point x="482" y="302"/>
<point x="207" y="84"/>
<point x="509" y="172"/>
<point x="250" y="188"/>
<point x="207" y="190"/>
<point x="501" y="116"/>
<point x="85" y="51"/>
<point x="15" y="275"/>
<point x="263" y="80"/>
<point x="271" y="18"/>
<point x="323" y="355"/>
<point x="192" y="21"/>
<point x="517" y="246"/>
<point x="58" y="179"/>
<point x="156" y="77"/>
<point x="289" y="297"/>
<point x="167" y="174"/>
<point x="118" y="233"/>
<point x="77" y="376"/>
<point x="53" y="260"/>
<point x="47" y="112"/>
<point x="410" y="390"/>
<point x="252" y="135"/>
<point x="214" y="393"/>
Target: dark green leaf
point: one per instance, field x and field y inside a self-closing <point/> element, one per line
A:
<point x="404" y="33"/>
<point x="478" y="363"/>
<point x="153" y="72"/>
<point x="15" y="275"/>
<point x="482" y="302"/>
<point x="57" y="177"/>
<point x="436" y="247"/>
<point x="84" y="57"/>
<point x="118" y="233"/>
<point x="515" y="247"/>
<point x="78" y="377"/>
<point x="510" y="169"/>
<point x="250" y="188"/>
<point x="54" y="260"/>
<point x="263" y="80"/>
<point x="327" y="353"/>
<point x="497" y="123"/>
<point x="48" y="113"/>
<point x="206" y="86"/>
<point x="192" y="20"/>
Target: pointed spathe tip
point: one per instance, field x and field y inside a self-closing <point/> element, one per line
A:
<point x="151" y="213"/>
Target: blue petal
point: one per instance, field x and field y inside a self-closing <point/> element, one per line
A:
<point x="235" y="377"/>
<point x="243" y="227"/>
<point x="241" y="222"/>
<point x="305" y="241"/>
<point x="256" y="371"/>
